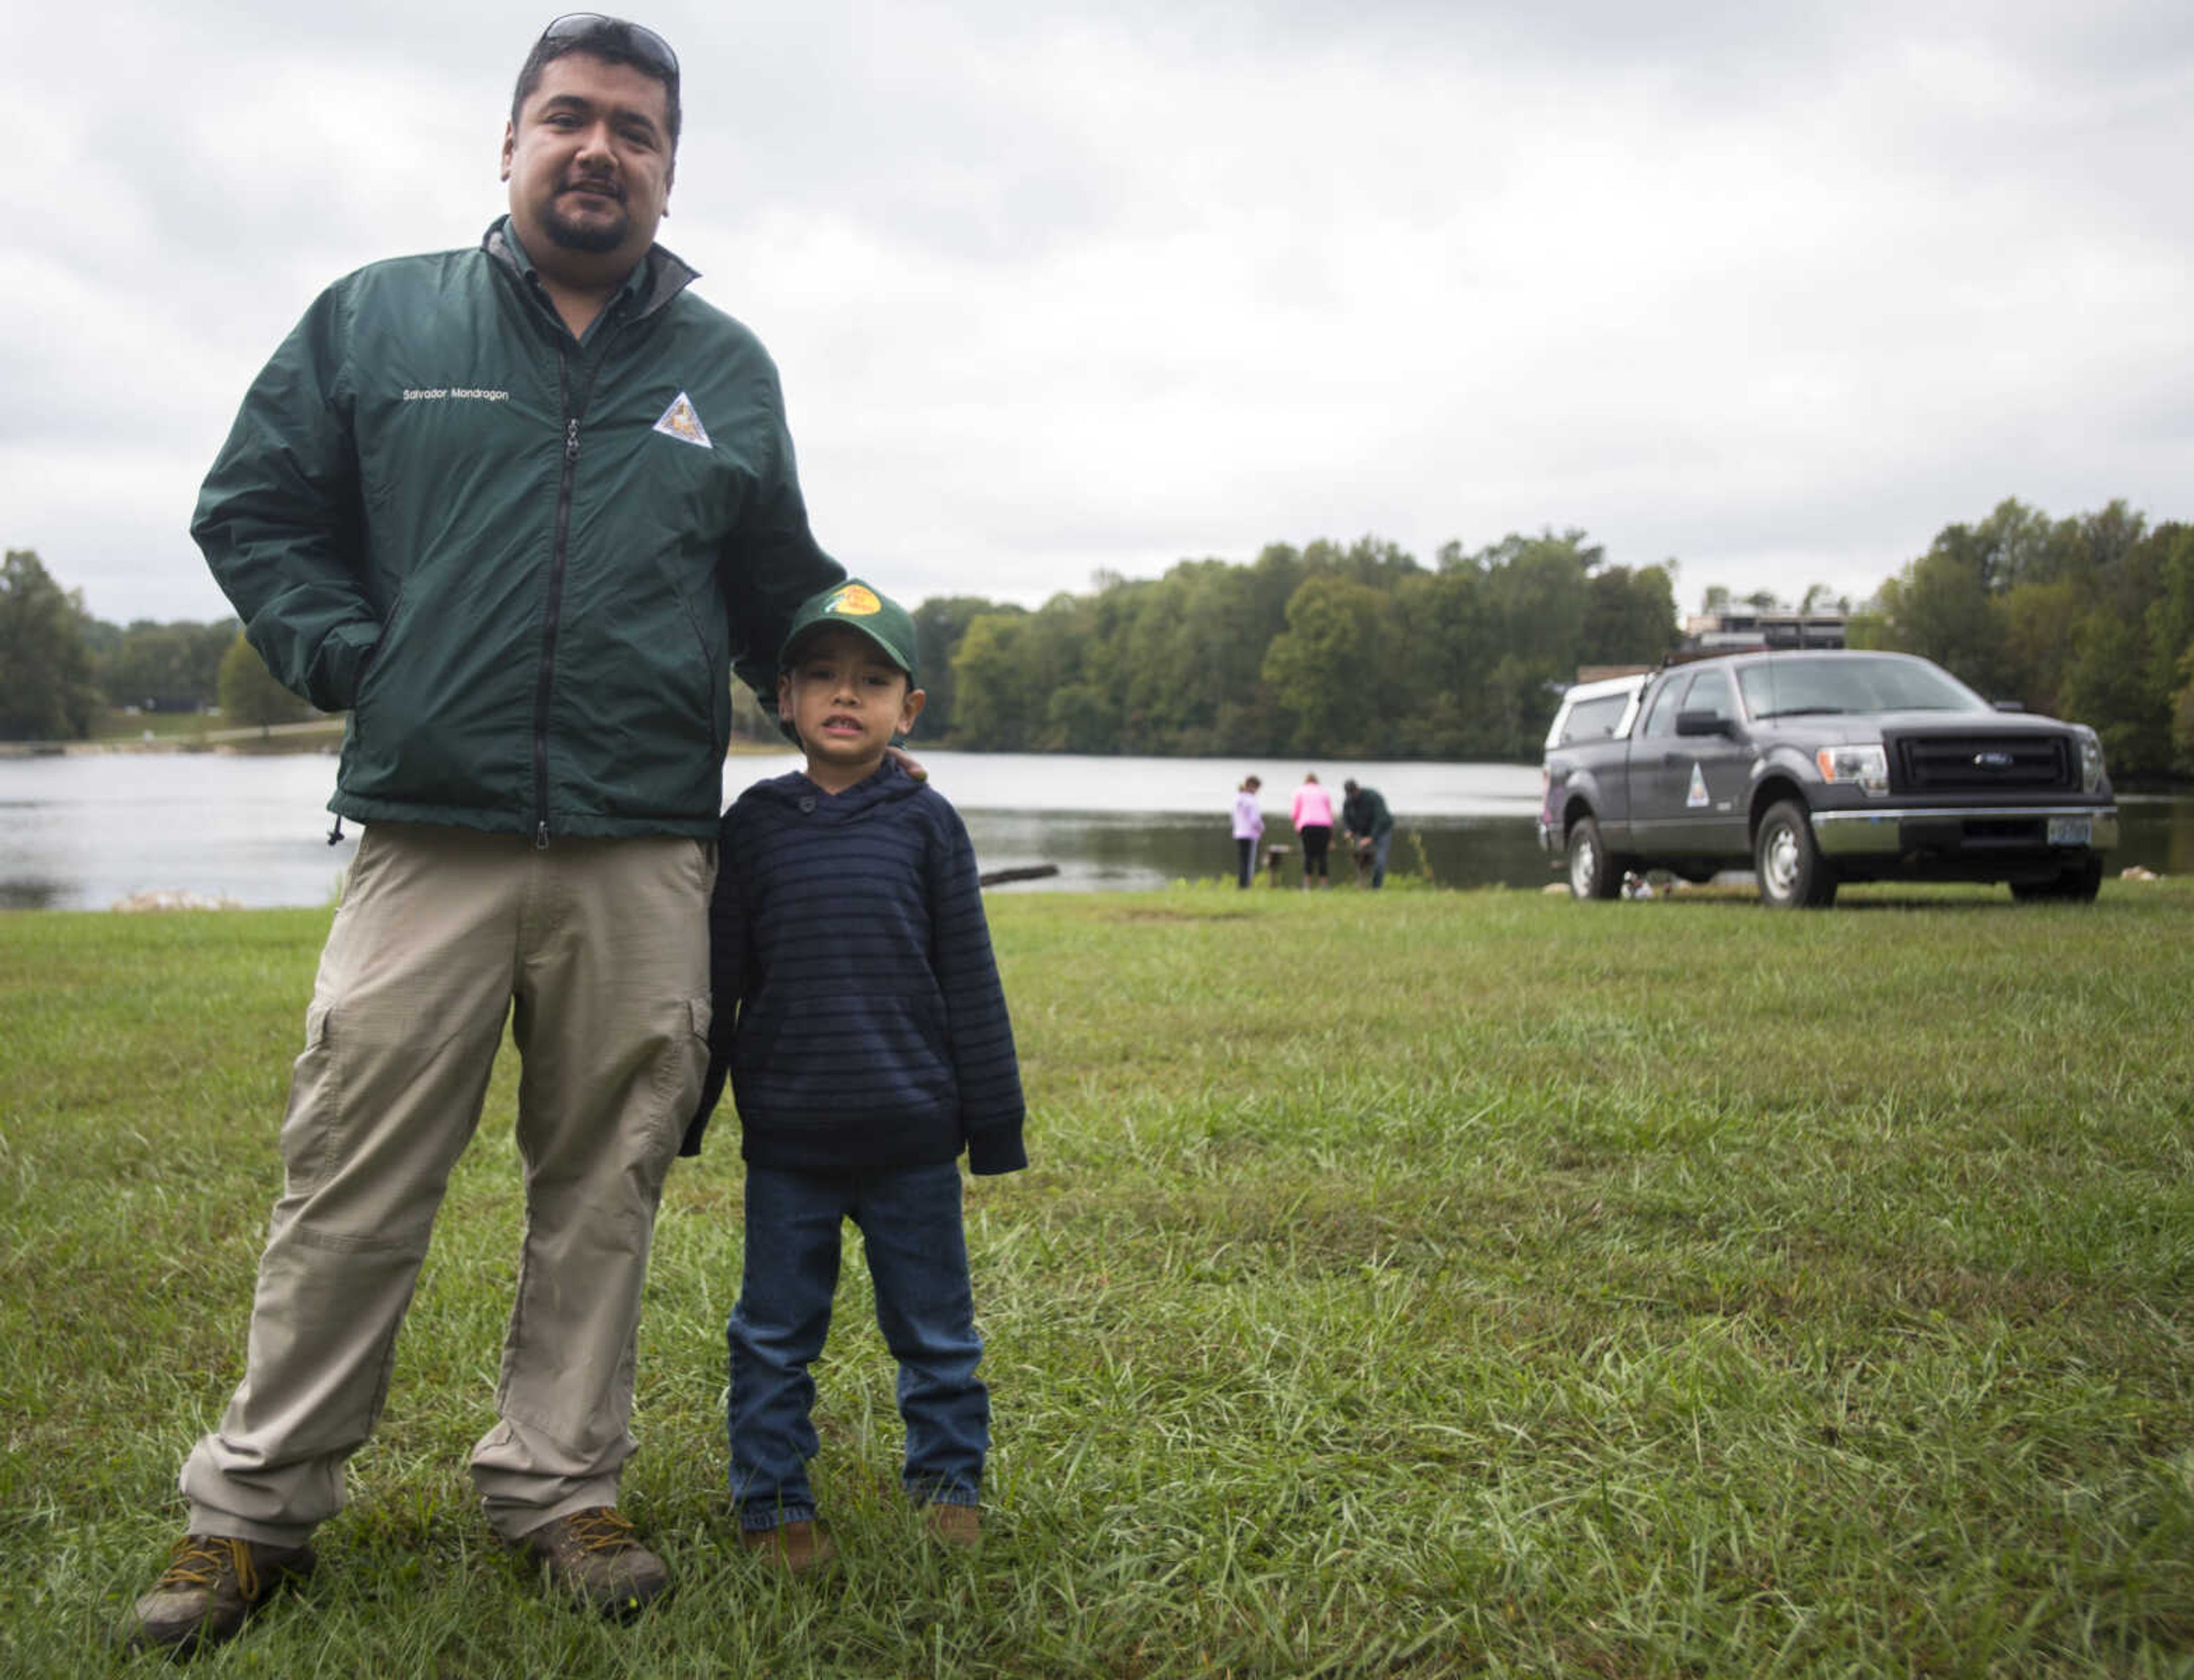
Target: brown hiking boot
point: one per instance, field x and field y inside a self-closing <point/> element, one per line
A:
<point x="954" y="1525"/>
<point x="592" y="1556"/>
<point x="212" y="1583"/>
<point x="796" y="1547"/>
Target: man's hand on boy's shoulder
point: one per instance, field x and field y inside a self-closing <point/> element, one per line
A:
<point x="908" y="762"/>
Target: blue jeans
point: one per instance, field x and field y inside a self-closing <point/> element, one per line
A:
<point x="917" y="1253"/>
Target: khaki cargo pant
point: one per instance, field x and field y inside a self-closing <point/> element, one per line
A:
<point x="598" y="953"/>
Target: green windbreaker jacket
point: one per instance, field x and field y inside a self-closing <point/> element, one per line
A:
<point x="525" y="564"/>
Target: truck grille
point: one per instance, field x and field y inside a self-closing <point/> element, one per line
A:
<point x="1975" y="764"/>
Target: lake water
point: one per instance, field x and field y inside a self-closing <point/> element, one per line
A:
<point x="80" y="832"/>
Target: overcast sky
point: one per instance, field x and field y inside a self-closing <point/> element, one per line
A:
<point x="1058" y="286"/>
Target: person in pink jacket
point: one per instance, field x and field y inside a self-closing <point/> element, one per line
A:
<point x="1249" y="827"/>
<point x="1313" y="819"/>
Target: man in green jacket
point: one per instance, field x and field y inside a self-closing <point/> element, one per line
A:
<point x="519" y="509"/>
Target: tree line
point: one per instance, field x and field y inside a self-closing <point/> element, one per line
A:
<point x="1362" y="651"/>
<point x="1324" y="650"/>
<point x="2089" y="618"/>
<point x="1329" y="651"/>
<point x="61" y="667"/>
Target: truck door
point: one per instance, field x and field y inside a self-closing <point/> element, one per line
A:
<point x="1688" y="792"/>
<point x="1716" y="770"/>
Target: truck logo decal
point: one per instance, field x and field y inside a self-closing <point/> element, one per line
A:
<point x="1697" y="797"/>
<point x="1993" y="760"/>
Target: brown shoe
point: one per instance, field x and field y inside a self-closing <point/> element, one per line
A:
<point x="212" y="1583"/>
<point x="795" y="1547"/>
<point x="956" y="1525"/>
<point x="592" y="1556"/>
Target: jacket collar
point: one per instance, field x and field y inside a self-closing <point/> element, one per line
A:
<point x="888" y="784"/>
<point x="657" y="278"/>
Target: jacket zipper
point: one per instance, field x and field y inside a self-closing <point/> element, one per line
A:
<point x="575" y="404"/>
<point x="550" y="622"/>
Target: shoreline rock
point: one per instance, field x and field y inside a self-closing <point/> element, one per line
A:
<point x="166" y="898"/>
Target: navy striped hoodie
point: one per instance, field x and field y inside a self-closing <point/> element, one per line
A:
<point x="858" y="1014"/>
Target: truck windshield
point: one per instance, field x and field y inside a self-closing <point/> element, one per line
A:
<point x="1784" y="688"/>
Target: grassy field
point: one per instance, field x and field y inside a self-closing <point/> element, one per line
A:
<point x="198" y="731"/>
<point x="1409" y="1284"/>
<point x="115" y="724"/>
<point x="187" y="731"/>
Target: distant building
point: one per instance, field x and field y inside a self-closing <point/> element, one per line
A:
<point x="1736" y="627"/>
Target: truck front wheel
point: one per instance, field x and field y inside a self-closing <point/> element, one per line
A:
<point x="1793" y="873"/>
<point x="1592" y="873"/>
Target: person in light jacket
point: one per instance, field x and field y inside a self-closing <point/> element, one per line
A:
<point x="1313" y="821"/>
<point x="1249" y="828"/>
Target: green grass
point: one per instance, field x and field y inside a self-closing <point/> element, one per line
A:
<point x="1412" y="1285"/>
<point x="189" y="730"/>
<point x="202" y="732"/>
<point x="117" y="724"/>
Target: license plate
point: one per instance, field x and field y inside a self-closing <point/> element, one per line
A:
<point x="2069" y="830"/>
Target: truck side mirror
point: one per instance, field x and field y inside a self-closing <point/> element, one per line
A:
<point x="1704" y="723"/>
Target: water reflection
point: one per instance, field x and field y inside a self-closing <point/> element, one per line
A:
<point x="1121" y="851"/>
<point x="81" y="832"/>
<point x="2156" y="830"/>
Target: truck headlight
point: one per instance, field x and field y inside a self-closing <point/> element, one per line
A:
<point x="2091" y="764"/>
<point x="1862" y="764"/>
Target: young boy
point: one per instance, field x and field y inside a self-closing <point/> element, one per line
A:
<point x="860" y="1021"/>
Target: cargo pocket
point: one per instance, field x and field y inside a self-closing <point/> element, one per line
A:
<point x="315" y="1101"/>
<point x="680" y="1071"/>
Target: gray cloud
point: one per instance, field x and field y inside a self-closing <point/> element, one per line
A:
<point x="1060" y="288"/>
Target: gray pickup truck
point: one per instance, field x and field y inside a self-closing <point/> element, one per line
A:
<point x="1816" y="768"/>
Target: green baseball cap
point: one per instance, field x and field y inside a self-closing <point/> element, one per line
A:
<point x="859" y="606"/>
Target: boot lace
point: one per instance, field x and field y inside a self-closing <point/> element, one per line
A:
<point x="199" y="1560"/>
<point x="601" y="1530"/>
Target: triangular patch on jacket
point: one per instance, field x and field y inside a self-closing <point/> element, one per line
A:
<point x="679" y="421"/>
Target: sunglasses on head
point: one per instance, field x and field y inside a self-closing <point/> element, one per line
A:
<point x="644" y="43"/>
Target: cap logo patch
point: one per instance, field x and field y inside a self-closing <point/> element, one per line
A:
<point x="679" y="421"/>
<point x="855" y="601"/>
